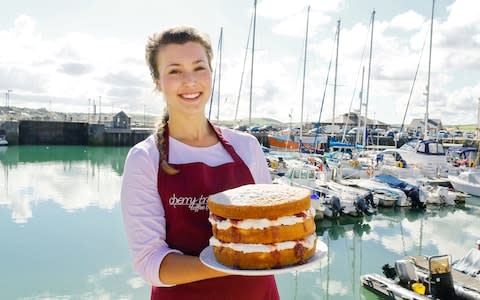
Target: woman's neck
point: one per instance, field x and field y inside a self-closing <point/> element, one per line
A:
<point x="192" y="131"/>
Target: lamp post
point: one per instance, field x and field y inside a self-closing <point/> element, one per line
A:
<point x="88" y="115"/>
<point x="99" y="109"/>
<point x="7" y="98"/>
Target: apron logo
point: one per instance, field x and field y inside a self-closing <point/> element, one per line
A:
<point x="194" y="204"/>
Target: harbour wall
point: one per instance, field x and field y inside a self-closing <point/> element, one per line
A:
<point x="27" y="132"/>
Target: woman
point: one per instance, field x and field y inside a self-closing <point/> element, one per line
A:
<point x="169" y="176"/>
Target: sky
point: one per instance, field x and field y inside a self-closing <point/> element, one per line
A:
<point x="64" y="56"/>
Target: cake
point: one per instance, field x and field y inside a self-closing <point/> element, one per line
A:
<point x="262" y="226"/>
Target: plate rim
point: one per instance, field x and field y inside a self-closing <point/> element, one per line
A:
<point x="208" y="259"/>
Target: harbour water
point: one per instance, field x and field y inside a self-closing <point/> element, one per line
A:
<point x="62" y="237"/>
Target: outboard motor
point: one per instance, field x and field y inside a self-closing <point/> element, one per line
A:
<point x="360" y="204"/>
<point x="336" y="206"/>
<point x="406" y="272"/>
<point x="414" y="196"/>
<point x="389" y="272"/>
<point x="441" y="281"/>
<point x="369" y="199"/>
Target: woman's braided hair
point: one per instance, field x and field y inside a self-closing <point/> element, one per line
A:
<point x="176" y="35"/>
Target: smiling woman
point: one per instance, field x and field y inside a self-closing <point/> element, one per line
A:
<point x="169" y="176"/>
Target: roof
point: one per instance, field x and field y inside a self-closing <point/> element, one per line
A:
<point x="121" y="114"/>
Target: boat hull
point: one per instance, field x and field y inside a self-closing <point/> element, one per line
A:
<point x="464" y="186"/>
<point x="292" y="143"/>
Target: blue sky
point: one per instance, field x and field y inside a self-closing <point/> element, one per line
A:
<point x="58" y="54"/>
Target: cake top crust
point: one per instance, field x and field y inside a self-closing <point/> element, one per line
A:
<point x="259" y="200"/>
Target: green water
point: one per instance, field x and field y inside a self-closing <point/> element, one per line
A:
<point x="61" y="233"/>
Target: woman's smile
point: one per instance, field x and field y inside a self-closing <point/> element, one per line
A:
<point x="191" y="96"/>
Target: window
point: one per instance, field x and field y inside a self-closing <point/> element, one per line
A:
<point x="296" y="174"/>
<point x="304" y="174"/>
<point x="421" y="148"/>
<point x="432" y="148"/>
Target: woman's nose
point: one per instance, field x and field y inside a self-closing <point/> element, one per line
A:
<point x="189" y="78"/>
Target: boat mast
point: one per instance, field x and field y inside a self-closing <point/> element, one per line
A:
<point x="243" y="69"/>
<point x="425" y="134"/>
<point x="251" y="69"/>
<point x="303" y="83"/>
<point x="219" y="72"/>
<point x="335" y="80"/>
<point x="477" y="159"/>
<point x="478" y="121"/>
<point x="364" y="143"/>
<point x="359" y="116"/>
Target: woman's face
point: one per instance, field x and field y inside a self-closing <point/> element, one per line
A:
<point x="184" y="78"/>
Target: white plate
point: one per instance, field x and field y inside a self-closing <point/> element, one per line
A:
<point x="208" y="258"/>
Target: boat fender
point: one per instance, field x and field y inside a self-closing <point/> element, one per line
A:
<point x="354" y="163"/>
<point x="418" y="288"/>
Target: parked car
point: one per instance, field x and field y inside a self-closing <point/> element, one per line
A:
<point x="317" y="130"/>
<point x="265" y="128"/>
<point x="390" y="134"/>
<point x="378" y="132"/>
<point x="469" y="135"/>
<point x="352" y="131"/>
<point x="241" y="127"/>
<point x="458" y="133"/>
<point x="442" y="134"/>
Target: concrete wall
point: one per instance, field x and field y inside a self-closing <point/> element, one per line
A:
<point x="96" y="135"/>
<point x="11" y="131"/>
<point x="52" y="133"/>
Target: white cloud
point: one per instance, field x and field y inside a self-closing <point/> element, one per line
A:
<point x="279" y="9"/>
<point x="68" y="69"/>
<point x="409" y="20"/>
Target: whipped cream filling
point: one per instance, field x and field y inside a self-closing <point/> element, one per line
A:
<point x="308" y="243"/>
<point x="261" y="223"/>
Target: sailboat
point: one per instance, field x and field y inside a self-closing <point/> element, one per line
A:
<point x="295" y="141"/>
<point x="426" y="154"/>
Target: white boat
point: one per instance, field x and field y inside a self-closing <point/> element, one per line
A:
<point x="386" y="195"/>
<point x="428" y="156"/>
<point x="3" y="140"/>
<point x="422" y="278"/>
<point x="467" y="182"/>
<point x="327" y="202"/>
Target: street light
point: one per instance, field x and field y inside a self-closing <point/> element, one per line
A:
<point x="99" y="109"/>
<point x="88" y="115"/>
<point x="7" y="98"/>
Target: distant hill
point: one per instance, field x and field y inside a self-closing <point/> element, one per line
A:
<point x="255" y="121"/>
<point x="145" y="120"/>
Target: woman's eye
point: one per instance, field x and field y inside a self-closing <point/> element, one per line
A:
<point x="200" y="68"/>
<point x="174" y="71"/>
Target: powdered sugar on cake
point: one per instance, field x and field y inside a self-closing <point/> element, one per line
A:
<point x="259" y="195"/>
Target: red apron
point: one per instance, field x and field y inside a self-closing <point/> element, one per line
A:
<point x="184" y="197"/>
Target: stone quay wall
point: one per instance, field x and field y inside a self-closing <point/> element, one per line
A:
<point x="26" y="132"/>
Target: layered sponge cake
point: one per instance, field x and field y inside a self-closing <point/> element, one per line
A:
<point x="262" y="226"/>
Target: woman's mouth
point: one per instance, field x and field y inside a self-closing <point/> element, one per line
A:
<point x="190" y="96"/>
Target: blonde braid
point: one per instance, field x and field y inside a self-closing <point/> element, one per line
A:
<point x="161" y="145"/>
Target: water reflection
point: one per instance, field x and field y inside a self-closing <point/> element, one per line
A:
<point x="67" y="201"/>
<point x="73" y="177"/>
<point x="358" y="246"/>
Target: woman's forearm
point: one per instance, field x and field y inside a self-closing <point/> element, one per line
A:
<point x="179" y="269"/>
